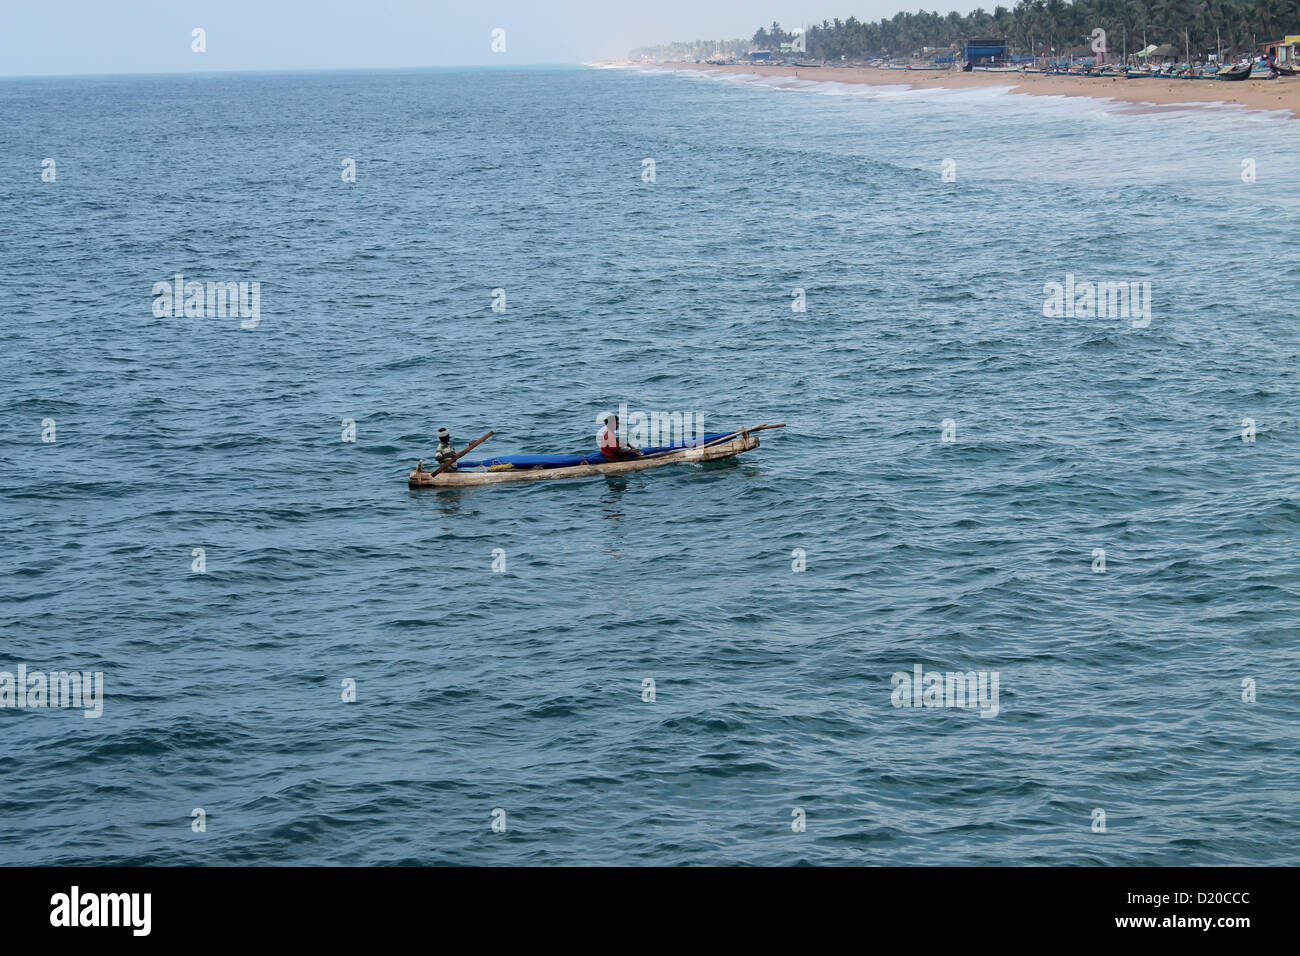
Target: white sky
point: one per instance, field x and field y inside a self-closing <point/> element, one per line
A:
<point x="154" y="36"/>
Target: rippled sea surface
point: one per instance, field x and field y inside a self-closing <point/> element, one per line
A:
<point x="1120" y="690"/>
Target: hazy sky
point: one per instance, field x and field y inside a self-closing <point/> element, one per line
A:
<point x="153" y="36"/>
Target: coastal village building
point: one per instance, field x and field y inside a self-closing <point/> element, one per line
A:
<point x="1286" y="51"/>
<point x="984" y="51"/>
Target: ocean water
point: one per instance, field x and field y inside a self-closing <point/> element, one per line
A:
<point x="521" y="690"/>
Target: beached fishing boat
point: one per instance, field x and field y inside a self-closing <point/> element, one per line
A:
<point x="1238" y="72"/>
<point x="513" y="468"/>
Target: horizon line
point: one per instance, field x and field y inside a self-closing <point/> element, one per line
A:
<point x="302" y="69"/>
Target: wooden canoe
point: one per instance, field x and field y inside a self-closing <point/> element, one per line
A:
<point x="465" y="479"/>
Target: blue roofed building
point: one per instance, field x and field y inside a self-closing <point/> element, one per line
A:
<point x="986" y="51"/>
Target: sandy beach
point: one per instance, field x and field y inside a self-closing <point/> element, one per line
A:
<point x="1145" y="94"/>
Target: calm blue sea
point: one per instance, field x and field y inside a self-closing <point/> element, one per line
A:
<point x="524" y="690"/>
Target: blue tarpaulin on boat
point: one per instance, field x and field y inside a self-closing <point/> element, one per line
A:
<point x="565" y="461"/>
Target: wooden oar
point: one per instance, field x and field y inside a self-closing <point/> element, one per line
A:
<point x="468" y="448"/>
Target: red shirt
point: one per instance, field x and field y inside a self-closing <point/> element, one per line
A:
<point x="609" y="444"/>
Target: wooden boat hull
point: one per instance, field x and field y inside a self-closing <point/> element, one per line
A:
<point x="468" y="479"/>
<point x="1232" y="74"/>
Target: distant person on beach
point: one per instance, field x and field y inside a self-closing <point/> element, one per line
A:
<point x="445" y="456"/>
<point x="610" y="447"/>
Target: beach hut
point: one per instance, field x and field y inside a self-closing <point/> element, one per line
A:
<point x="985" y="51"/>
<point x="1142" y="58"/>
<point x="1166" y="54"/>
<point x="1081" y="54"/>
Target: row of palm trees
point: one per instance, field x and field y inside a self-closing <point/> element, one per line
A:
<point x="1039" y="25"/>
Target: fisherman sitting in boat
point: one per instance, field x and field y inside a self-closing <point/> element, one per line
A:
<point x="445" y="456"/>
<point x="610" y="447"/>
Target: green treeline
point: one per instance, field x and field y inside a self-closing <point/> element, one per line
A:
<point x="1032" y="25"/>
<point x="1240" y="24"/>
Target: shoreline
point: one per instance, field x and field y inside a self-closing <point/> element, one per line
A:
<point x="1140" y="95"/>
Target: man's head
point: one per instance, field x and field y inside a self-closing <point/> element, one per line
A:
<point x="611" y="422"/>
<point x="444" y="436"/>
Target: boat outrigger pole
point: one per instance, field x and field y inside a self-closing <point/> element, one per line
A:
<point x="743" y="431"/>
<point x="718" y="441"/>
